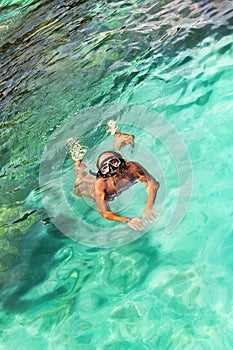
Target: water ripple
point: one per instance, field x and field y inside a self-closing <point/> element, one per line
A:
<point x="161" y="292"/>
<point x="52" y="35"/>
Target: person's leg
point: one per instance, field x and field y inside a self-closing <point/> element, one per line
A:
<point x="84" y="184"/>
<point x="121" y="139"/>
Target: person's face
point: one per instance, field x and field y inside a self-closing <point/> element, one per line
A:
<point x="105" y="156"/>
<point x="111" y="166"/>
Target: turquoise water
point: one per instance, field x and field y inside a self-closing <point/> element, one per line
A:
<point x="164" y="70"/>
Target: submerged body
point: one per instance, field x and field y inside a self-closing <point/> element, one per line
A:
<point x="114" y="176"/>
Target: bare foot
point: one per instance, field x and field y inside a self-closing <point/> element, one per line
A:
<point x="122" y="140"/>
<point x="76" y="150"/>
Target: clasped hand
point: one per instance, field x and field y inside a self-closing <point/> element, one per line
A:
<point x="149" y="215"/>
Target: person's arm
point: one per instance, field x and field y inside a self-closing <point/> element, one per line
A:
<point x="105" y="211"/>
<point x="151" y="187"/>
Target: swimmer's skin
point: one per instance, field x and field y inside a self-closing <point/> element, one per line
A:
<point x="122" y="140"/>
<point x="109" y="185"/>
<point x="100" y="188"/>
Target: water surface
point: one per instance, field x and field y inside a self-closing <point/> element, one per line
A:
<point x="161" y="291"/>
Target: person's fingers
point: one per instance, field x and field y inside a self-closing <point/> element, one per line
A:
<point x="132" y="143"/>
<point x="149" y="217"/>
<point x="138" y="227"/>
<point x="153" y="217"/>
<point x="136" y="224"/>
<point x="134" y="227"/>
<point x="149" y="220"/>
<point x="139" y="224"/>
<point x="155" y="212"/>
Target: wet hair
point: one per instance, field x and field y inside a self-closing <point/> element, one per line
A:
<point x="115" y="154"/>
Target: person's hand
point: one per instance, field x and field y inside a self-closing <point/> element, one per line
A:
<point x="136" y="224"/>
<point x="149" y="215"/>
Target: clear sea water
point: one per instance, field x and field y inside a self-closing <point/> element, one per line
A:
<point x="164" y="70"/>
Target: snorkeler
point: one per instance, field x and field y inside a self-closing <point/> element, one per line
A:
<point x="114" y="176"/>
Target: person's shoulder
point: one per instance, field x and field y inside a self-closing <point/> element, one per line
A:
<point x="100" y="182"/>
<point x="134" y="167"/>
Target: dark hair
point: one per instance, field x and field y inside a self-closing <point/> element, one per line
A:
<point x="118" y="155"/>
